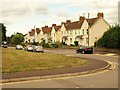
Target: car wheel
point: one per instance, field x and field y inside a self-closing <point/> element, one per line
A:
<point x="92" y="52"/>
<point x="83" y="52"/>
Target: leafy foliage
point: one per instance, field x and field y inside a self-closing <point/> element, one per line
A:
<point x="3" y="32"/>
<point x="18" y="38"/>
<point x="110" y="38"/>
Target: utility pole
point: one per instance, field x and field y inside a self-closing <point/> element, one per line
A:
<point x="88" y="30"/>
<point x="34" y="33"/>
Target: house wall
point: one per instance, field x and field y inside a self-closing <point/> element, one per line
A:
<point x="61" y="33"/>
<point x="57" y="36"/>
<point x="72" y="34"/>
<point x="97" y="30"/>
<point x="53" y="34"/>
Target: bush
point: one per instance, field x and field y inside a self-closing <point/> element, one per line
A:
<point x="46" y="45"/>
<point x="110" y="38"/>
<point x="35" y="43"/>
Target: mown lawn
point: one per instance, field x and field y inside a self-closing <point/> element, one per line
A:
<point x="19" y="60"/>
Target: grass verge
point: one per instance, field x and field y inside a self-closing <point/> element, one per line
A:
<point x="19" y="60"/>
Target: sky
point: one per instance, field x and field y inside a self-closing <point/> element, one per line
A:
<point x="22" y="15"/>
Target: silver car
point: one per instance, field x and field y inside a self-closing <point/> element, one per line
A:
<point x="30" y="48"/>
<point x="19" y="47"/>
<point x="38" y="49"/>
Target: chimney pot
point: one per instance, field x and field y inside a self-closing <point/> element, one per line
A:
<point x="81" y="18"/>
<point x="46" y="26"/>
<point x="99" y="15"/>
<point x="53" y="25"/>
<point x="68" y="21"/>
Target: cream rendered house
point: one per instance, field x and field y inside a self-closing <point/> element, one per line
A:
<point x="54" y="34"/>
<point x="97" y="27"/>
<point x="29" y="38"/>
<point x="72" y="31"/>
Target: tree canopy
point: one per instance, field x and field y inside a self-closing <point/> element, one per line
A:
<point x="110" y="38"/>
<point x="18" y="38"/>
<point x="3" y="32"/>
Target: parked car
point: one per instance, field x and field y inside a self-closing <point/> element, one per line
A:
<point x="38" y="49"/>
<point x="19" y="47"/>
<point x="4" y="46"/>
<point x="84" y="49"/>
<point x="29" y="48"/>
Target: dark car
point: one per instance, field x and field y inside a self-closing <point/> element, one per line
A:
<point x="19" y="47"/>
<point x="84" y="49"/>
<point x="4" y="45"/>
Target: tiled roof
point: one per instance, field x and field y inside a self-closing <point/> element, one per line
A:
<point x="91" y="21"/>
<point x="74" y="25"/>
<point x="57" y="28"/>
<point x="32" y="32"/>
<point x="46" y="29"/>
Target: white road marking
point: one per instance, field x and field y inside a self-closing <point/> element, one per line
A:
<point x="109" y="54"/>
<point x="70" y="55"/>
<point x="91" y="74"/>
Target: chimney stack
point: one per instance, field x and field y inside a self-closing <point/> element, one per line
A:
<point x="46" y="26"/>
<point x="53" y="25"/>
<point x="68" y="21"/>
<point x="99" y="15"/>
<point x="62" y="23"/>
<point x="37" y="28"/>
<point x="32" y="29"/>
<point x="81" y="18"/>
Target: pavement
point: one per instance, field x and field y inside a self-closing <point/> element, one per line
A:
<point x="91" y="67"/>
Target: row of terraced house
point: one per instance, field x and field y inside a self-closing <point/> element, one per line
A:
<point x="85" y="31"/>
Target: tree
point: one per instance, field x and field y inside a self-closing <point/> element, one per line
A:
<point x="110" y="38"/>
<point x="3" y="32"/>
<point x="18" y="38"/>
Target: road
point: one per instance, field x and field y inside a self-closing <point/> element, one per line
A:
<point x="103" y="79"/>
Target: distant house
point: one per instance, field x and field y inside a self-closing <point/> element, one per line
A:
<point x="85" y="31"/>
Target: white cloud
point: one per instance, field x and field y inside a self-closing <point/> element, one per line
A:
<point x="46" y="12"/>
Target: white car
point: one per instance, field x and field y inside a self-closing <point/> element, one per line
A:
<point x="38" y="49"/>
<point x="30" y="48"/>
<point x="19" y="47"/>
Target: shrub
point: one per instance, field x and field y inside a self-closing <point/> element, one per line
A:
<point x="110" y="38"/>
<point x="46" y="45"/>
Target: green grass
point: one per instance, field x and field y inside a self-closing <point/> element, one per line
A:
<point x="19" y="60"/>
